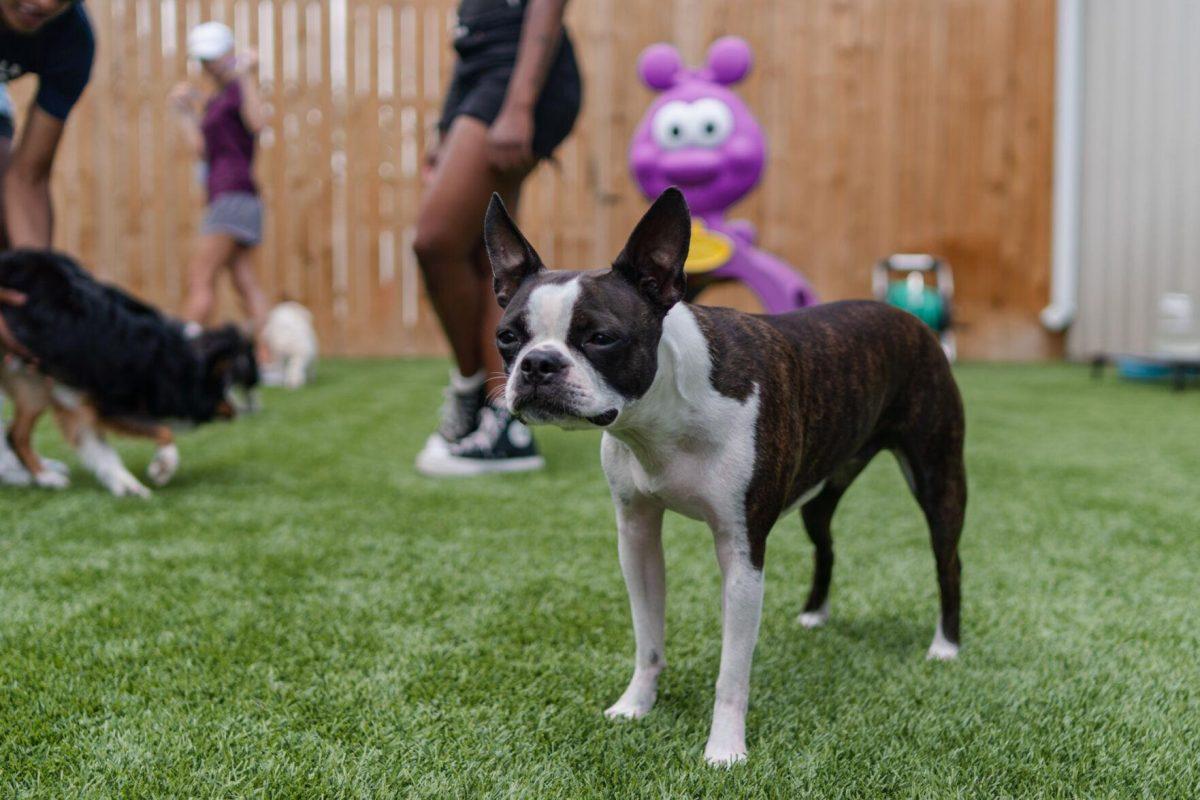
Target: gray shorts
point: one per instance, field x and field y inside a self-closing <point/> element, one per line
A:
<point x="235" y="214"/>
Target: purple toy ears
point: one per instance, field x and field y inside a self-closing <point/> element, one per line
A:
<point x="729" y="60"/>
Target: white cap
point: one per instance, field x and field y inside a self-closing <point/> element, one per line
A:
<point x="209" y="41"/>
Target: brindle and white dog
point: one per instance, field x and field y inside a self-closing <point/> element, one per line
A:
<point x="729" y="418"/>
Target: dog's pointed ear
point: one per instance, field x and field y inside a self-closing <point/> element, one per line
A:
<point x="513" y="258"/>
<point x="653" y="257"/>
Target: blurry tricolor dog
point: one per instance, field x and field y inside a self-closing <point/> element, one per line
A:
<point x="292" y="342"/>
<point x="729" y="418"/>
<point x="104" y="361"/>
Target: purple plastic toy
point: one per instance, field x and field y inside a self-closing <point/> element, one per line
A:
<point x="700" y="136"/>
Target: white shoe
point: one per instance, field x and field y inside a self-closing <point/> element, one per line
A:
<point x="12" y="471"/>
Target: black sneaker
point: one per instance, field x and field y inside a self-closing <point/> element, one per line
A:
<point x="463" y="399"/>
<point x="501" y="443"/>
<point x="461" y="407"/>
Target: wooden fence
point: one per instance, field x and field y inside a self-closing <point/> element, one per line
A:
<point x="894" y="125"/>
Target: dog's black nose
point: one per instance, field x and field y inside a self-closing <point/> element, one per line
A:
<point x="540" y="366"/>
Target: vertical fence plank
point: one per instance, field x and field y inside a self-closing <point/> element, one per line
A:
<point x="893" y="124"/>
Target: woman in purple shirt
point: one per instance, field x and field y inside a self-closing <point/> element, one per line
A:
<point x="223" y="134"/>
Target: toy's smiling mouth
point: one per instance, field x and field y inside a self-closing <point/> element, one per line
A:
<point x="691" y="167"/>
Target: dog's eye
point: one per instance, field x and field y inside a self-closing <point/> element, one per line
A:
<point x="601" y="339"/>
<point x="506" y="338"/>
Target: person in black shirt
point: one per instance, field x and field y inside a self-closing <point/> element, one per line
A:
<point x="513" y="98"/>
<point x="53" y="40"/>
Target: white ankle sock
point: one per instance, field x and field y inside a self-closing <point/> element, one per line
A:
<point x="470" y="383"/>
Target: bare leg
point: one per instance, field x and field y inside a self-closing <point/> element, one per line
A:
<point x="254" y="301"/>
<point x="741" y="603"/>
<point x="213" y="251"/>
<point x="5" y="154"/>
<point x="9" y="463"/>
<point x="449" y="229"/>
<point x="489" y="319"/>
<point x="639" y="544"/>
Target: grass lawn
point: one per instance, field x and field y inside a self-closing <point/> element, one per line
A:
<point x="300" y="615"/>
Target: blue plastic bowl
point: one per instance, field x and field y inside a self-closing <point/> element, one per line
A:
<point x="1137" y="369"/>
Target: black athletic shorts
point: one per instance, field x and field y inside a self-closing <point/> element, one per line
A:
<point x="487" y="53"/>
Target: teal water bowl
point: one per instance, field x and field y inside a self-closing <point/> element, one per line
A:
<point x="1140" y="369"/>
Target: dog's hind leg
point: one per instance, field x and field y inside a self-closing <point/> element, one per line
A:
<point x="939" y="482"/>
<point x="817" y="514"/>
<point x="31" y="396"/>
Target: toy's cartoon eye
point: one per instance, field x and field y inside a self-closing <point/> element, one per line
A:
<point x="711" y="122"/>
<point x="672" y="124"/>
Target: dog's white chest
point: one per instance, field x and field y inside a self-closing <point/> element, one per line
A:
<point x="690" y="447"/>
<point x="703" y="477"/>
<point x="684" y="484"/>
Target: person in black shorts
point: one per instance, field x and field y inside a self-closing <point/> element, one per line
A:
<point x="513" y="98"/>
<point x="53" y="40"/>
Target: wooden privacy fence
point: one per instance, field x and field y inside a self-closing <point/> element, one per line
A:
<point x="893" y="125"/>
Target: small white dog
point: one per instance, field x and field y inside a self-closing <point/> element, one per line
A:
<point x="290" y="337"/>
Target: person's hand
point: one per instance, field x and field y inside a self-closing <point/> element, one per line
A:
<point x="510" y="140"/>
<point x="182" y="98"/>
<point x="430" y="162"/>
<point x="11" y="297"/>
<point x="246" y="63"/>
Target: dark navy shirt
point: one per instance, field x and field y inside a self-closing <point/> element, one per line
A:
<point x="60" y="54"/>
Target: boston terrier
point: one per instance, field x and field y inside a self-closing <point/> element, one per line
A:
<point x="729" y="418"/>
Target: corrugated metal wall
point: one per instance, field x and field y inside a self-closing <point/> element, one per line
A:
<point x="1140" y="231"/>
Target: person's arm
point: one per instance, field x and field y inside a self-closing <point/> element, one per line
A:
<point x="253" y="110"/>
<point x="182" y="100"/>
<point x="510" y="138"/>
<point x="27" y="209"/>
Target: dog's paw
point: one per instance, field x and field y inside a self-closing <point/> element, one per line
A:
<point x="51" y="479"/>
<point x="123" y="484"/>
<point x="942" y="651"/>
<point x="164" y="465"/>
<point x="628" y="709"/>
<point x="639" y="696"/>
<point x="724" y="754"/>
<point x="814" y="619"/>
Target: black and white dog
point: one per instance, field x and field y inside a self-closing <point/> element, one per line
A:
<point x="103" y="360"/>
<point x="729" y="418"/>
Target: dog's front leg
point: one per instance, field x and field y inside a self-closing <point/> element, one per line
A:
<point x="639" y="545"/>
<point x="741" y="603"/>
<point x="104" y="462"/>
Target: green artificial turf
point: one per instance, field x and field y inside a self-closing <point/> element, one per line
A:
<point x="301" y="615"/>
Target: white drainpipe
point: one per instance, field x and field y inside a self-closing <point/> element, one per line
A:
<point x="1068" y="163"/>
